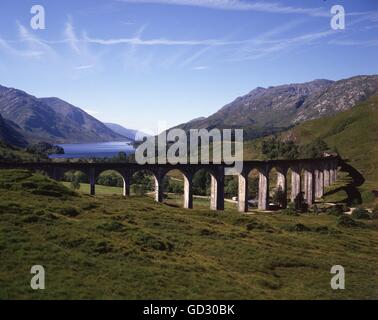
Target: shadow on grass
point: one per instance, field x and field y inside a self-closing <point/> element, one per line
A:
<point x="351" y="189"/>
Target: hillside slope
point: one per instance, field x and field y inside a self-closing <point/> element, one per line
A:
<point x="265" y="109"/>
<point x="10" y="133"/>
<point x="128" y="133"/>
<point x="353" y="133"/>
<point x="51" y="119"/>
<point x="111" y="247"/>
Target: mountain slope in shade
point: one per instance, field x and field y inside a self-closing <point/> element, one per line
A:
<point x="10" y="133"/>
<point x="128" y="133"/>
<point x="285" y="105"/>
<point x="51" y="119"/>
<point x="88" y="125"/>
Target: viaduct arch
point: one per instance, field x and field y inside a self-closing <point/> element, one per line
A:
<point x="317" y="174"/>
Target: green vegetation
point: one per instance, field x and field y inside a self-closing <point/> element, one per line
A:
<point x="107" y="247"/>
<point x="353" y="134"/>
<point x="44" y="149"/>
<point x="274" y="148"/>
<point x="361" y="213"/>
<point x="14" y="154"/>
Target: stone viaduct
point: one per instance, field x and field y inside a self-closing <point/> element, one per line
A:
<point x="309" y="176"/>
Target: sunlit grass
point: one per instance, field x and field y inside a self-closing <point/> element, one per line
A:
<point x="111" y="247"/>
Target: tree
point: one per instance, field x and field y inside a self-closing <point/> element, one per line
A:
<point x="139" y="189"/>
<point x="143" y="178"/>
<point x="299" y="203"/>
<point x="253" y="187"/>
<point x="44" y="149"/>
<point x="279" y="197"/>
<point x="75" y="184"/>
<point x="110" y="178"/>
<point x="201" y="181"/>
<point x="314" y="149"/>
<point x="231" y="187"/>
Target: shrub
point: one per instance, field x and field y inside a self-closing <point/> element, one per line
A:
<point x="75" y="184"/>
<point x="336" y="210"/>
<point x="112" y="226"/>
<point x="299" y="227"/>
<point x="374" y="213"/>
<point x="88" y="206"/>
<point x="48" y="193"/>
<point x="230" y="187"/>
<point x="70" y="244"/>
<point x="300" y="204"/>
<point x="322" y="229"/>
<point x="315" y="209"/>
<point x="153" y="242"/>
<point x="200" y="182"/>
<point x="290" y="210"/>
<point x="139" y="189"/>
<point x="103" y="247"/>
<point x="206" y="232"/>
<point x="110" y="178"/>
<point x="68" y="211"/>
<point x="254" y="225"/>
<point x="170" y="185"/>
<point x="346" y="221"/>
<point x="44" y="149"/>
<point x="279" y="197"/>
<point x="29" y="185"/>
<point x="31" y="219"/>
<point x="360" y="213"/>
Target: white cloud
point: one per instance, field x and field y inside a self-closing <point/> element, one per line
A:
<point x="84" y="67"/>
<point x="159" y="42"/>
<point x="34" y="43"/>
<point x="239" y="5"/>
<point x="71" y="37"/>
<point x="17" y="52"/>
<point x="200" y="68"/>
<point x="256" y="50"/>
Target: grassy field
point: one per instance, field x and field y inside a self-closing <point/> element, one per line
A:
<point x="109" y="247"/>
<point x="173" y="200"/>
<point x="101" y="190"/>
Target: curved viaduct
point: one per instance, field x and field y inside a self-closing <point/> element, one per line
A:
<point x="309" y="176"/>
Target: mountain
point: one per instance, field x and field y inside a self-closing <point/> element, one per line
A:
<point x="274" y="108"/>
<point x="51" y="119"/>
<point x="128" y="133"/>
<point x="196" y="119"/>
<point x="10" y="133"/>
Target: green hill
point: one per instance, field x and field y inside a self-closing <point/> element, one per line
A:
<point x="109" y="247"/>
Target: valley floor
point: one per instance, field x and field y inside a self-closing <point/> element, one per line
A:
<point x="109" y="247"/>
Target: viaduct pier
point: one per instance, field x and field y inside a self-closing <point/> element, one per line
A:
<point x="308" y="176"/>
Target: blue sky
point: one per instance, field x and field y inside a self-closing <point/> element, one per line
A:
<point x="143" y="62"/>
